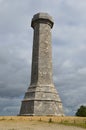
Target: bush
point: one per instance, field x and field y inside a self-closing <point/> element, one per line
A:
<point x="81" y="111"/>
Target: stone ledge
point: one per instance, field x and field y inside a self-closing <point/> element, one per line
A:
<point x="42" y="17"/>
<point x="26" y="100"/>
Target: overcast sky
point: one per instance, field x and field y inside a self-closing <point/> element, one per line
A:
<point x="68" y="44"/>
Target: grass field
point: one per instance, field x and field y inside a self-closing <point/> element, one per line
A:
<point x="24" y="121"/>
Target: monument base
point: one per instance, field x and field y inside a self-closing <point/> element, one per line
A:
<point x="41" y="101"/>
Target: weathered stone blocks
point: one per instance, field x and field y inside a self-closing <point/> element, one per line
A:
<point x="41" y="97"/>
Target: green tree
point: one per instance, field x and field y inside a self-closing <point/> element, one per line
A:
<point x="81" y="111"/>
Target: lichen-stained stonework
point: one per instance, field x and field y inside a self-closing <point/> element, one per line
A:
<point x="41" y="97"/>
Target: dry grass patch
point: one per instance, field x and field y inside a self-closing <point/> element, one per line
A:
<point x="67" y="120"/>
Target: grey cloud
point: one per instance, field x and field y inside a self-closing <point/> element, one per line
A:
<point x="69" y="50"/>
<point x="9" y="106"/>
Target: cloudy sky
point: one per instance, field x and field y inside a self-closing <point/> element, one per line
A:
<point x="69" y="51"/>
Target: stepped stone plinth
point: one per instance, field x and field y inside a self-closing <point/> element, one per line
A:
<point x="41" y="97"/>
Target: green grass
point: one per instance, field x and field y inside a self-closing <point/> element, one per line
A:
<point x="81" y="124"/>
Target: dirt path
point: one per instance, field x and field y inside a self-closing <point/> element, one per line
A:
<point x="34" y="125"/>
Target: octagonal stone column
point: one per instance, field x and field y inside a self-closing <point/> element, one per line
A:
<point x="41" y="97"/>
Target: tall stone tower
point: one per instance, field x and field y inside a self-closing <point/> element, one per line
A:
<point x="41" y="97"/>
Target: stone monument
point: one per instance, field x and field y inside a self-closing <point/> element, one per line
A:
<point x="41" y="97"/>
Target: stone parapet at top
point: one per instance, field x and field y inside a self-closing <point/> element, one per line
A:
<point x="42" y="18"/>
